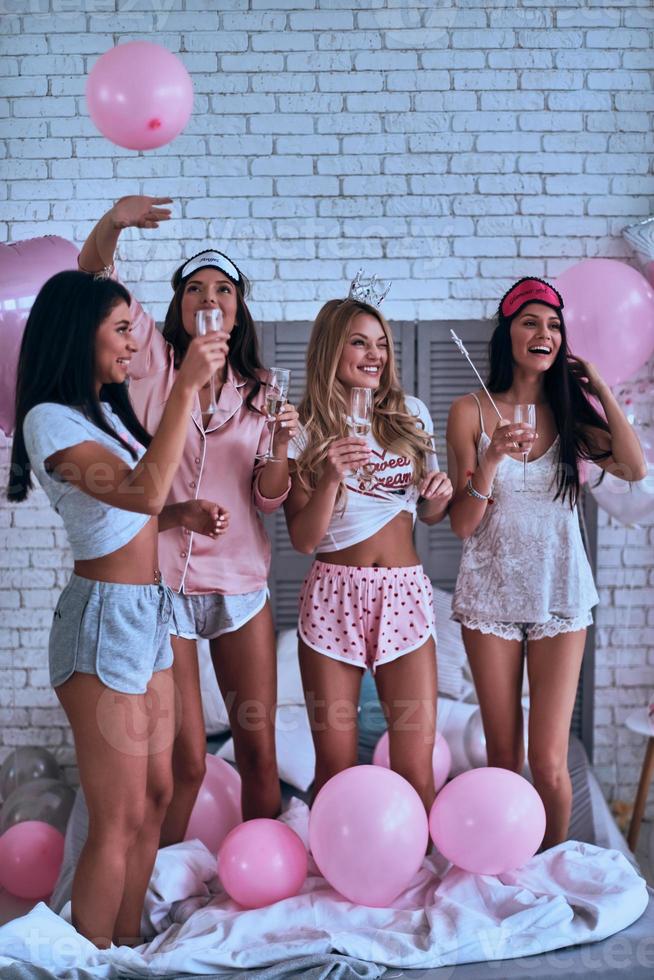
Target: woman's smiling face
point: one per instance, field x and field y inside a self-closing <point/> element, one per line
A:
<point x="536" y="337"/>
<point x="365" y="353"/>
<point x="114" y="346"/>
<point x="208" y="288"/>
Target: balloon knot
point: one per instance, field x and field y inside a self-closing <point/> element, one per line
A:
<point x="154" y="124"/>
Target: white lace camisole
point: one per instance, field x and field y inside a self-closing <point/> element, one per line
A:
<point x="526" y="561"/>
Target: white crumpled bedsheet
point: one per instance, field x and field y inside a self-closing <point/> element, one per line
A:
<point x="573" y="893"/>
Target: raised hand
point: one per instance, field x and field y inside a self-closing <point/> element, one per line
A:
<point x="587" y="375"/>
<point x="139" y="211"/>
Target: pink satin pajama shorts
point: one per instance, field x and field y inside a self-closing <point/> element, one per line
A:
<point x="365" y="616"/>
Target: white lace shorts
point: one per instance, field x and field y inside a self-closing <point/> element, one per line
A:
<point x="527" y="631"/>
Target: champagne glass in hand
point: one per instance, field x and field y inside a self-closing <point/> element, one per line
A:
<point x="360" y="420"/>
<point x="276" y="396"/>
<point x="209" y="321"/>
<point x="526" y="414"/>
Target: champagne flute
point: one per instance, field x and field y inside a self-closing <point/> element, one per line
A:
<point x="209" y="321"/>
<point x="276" y="396"/>
<point x="526" y="414"/>
<point x="360" y="421"/>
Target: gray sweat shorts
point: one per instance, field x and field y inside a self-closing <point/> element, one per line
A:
<point x="119" y="632"/>
<point x="209" y="616"/>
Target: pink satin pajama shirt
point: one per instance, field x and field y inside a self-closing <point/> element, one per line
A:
<point x="218" y="464"/>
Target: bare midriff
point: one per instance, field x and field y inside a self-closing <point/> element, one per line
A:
<point x="391" y="547"/>
<point x="136" y="563"/>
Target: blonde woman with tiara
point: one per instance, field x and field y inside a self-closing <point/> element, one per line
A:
<point x="366" y="602"/>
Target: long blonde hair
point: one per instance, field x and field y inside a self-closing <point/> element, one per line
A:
<point x="324" y="407"/>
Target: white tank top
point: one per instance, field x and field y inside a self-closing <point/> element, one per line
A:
<point x="525" y="562"/>
<point x="392" y="489"/>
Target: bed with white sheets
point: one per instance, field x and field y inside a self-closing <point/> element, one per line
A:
<point x="579" y="908"/>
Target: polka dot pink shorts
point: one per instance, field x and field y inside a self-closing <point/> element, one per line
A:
<point x="366" y="616"/>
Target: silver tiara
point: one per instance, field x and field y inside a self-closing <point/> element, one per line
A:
<point x="371" y="291"/>
<point x="641" y="236"/>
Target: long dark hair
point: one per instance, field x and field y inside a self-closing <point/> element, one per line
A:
<point x="244" y="356"/>
<point x="57" y="364"/>
<point x="566" y="395"/>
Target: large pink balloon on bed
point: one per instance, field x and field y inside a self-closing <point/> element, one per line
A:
<point x="24" y="267"/>
<point x="139" y="95"/>
<point x="487" y="821"/>
<point x="609" y="314"/>
<point x="368" y="834"/>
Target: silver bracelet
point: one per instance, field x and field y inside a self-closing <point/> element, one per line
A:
<point x="472" y="492"/>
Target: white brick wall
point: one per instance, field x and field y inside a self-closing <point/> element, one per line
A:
<point x="452" y="146"/>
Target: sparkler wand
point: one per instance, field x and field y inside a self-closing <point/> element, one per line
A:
<point x="459" y="344"/>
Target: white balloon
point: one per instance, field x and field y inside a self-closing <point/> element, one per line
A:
<point x="631" y="503"/>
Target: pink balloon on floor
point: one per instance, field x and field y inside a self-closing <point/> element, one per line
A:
<point x="24" y="267"/>
<point x="261" y="862"/>
<point x="217" y="808"/>
<point x="488" y="821"/>
<point x="609" y="311"/>
<point x="139" y="95"/>
<point x="368" y="833"/>
<point x="30" y="859"/>
<point x="441" y="758"/>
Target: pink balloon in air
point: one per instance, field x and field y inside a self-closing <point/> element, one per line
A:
<point x="30" y="859"/>
<point x="139" y="95"/>
<point x="609" y="316"/>
<point x="24" y="267"/>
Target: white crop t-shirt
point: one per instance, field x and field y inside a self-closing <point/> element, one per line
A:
<point x="93" y="527"/>
<point x="392" y="489"/>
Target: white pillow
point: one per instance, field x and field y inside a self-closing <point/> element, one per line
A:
<point x="296" y="758"/>
<point x="289" y="680"/>
<point x="453" y="677"/>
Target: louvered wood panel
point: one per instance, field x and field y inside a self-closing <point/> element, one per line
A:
<point x="285" y="345"/>
<point x="443" y="375"/>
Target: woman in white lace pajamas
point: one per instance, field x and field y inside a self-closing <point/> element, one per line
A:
<point x="524" y="579"/>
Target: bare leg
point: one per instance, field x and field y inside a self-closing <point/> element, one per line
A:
<point x="114" y="734"/>
<point x="553" y="665"/>
<point x="497" y="667"/>
<point x="190" y="746"/>
<point x="331" y="690"/>
<point x="407" y="690"/>
<point x="158" y="794"/>
<point x="246" y="669"/>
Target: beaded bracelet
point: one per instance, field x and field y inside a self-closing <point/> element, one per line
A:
<point x="473" y="492"/>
